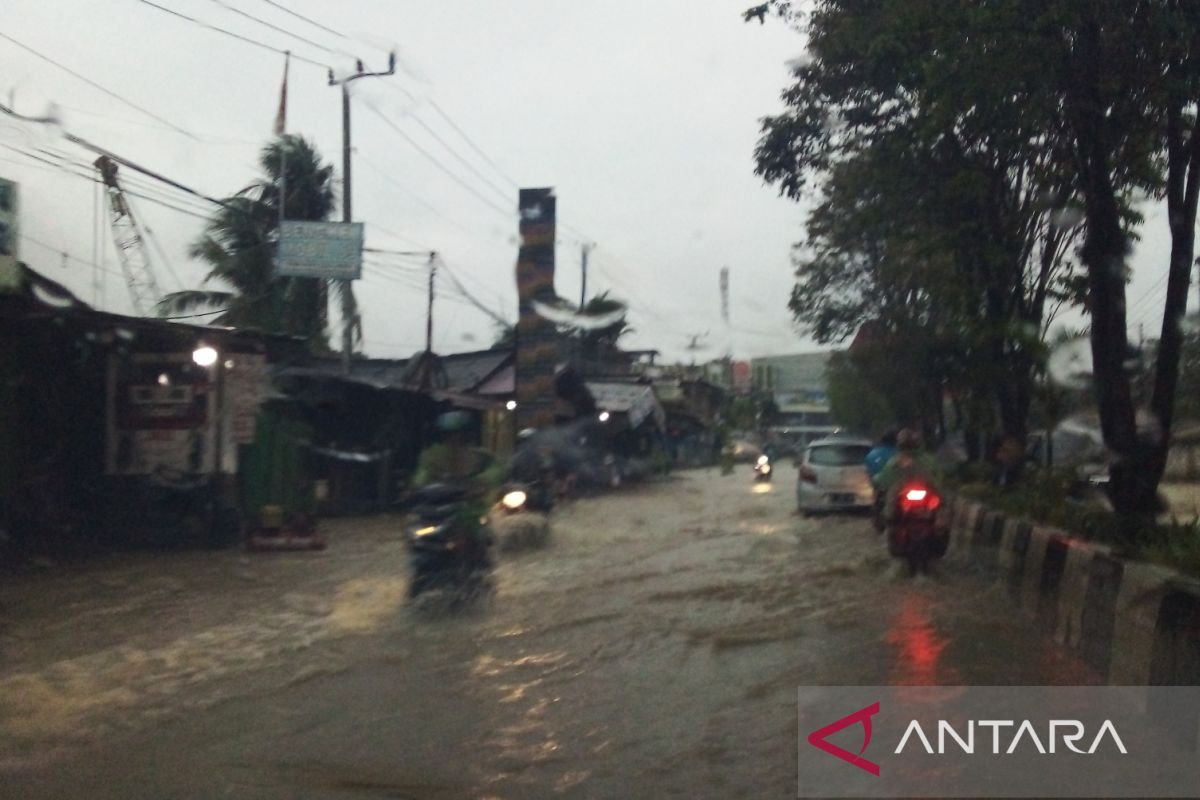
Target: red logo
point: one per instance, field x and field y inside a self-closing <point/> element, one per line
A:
<point x="863" y="716"/>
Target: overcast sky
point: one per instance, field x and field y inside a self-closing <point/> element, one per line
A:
<point x="642" y="114"/>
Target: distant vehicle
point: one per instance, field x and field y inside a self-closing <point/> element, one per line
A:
<point x="442" y="553"/>
<point x="833" y="476"/>
<point x="916" y="532"/>
<point x="745" y="452"/>
<point x="763" y="468"/>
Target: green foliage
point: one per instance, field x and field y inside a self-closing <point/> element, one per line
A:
<point x="1035" y="127"/>
<point x="940" y="217"/>
<point x="1050" y="497"/>
<point x="239" y="246"/>
<point x="854" y="400"/>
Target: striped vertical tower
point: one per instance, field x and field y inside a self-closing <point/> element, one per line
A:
<point x="537" y="339"/>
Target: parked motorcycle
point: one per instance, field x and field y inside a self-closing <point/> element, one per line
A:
<point x="763" y="468"/>
<point x="915" y="531"/>
<point x="444" y="550"/>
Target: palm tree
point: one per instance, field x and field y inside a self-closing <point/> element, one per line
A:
<point x="239" y="245"/>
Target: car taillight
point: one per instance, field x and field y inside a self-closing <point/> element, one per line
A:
<point x="806" y="474"/>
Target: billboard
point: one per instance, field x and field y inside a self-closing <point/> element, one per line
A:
<point x="329" y="250"/>
<point x="161" y="409"/>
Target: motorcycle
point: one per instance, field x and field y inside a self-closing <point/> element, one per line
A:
<point x="763" y="468"/>
<point x="915" y="531"/>
<point x="443" y="551"/>
<point x="521" y="518"/>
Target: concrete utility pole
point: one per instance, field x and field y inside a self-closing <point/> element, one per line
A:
<point x="360" y="72"/>
<point x="429" y="306"/>
<point x="586" y="248"/>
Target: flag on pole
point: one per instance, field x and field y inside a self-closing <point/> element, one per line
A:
<point x="281" y="115"/>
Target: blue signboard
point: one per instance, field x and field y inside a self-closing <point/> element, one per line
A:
<point x="331" y="250"/>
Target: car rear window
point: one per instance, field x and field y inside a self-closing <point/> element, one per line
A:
<point x="838" y="455"/>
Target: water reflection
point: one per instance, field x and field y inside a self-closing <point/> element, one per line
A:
<point x="918" y="644"/>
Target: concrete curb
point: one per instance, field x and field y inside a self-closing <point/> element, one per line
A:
<point x="1133" y="622"/>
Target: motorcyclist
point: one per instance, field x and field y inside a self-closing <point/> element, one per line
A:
<point x="876" y="459"/>
<point x="533" y="465"/>
<point x="455" y="462"/>
<point x="910" y="462"/>
<point x="881" y="454"/>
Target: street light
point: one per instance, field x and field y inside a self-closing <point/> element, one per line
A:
<point x="204" y="356"/>
<point x="604" y="416"/>
<point x="511" y="405"/>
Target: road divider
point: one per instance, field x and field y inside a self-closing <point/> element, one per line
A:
<point x="1135" y="623"/>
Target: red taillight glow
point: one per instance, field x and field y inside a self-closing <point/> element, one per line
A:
<point x="918" y="497"/>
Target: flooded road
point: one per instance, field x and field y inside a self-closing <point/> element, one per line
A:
<point x="653" y="649"/>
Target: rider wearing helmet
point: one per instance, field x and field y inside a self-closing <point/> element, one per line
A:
<point x="910" y="461"/>
<point x="454" y="461"/>
<point x="533" y="465"/>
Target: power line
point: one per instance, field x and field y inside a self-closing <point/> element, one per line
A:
<point x="486" y="181"/>
<point x="97" y="86"/>
<point x="454" y="279"/>
<point x="237" y="36"/>
<point x="395" y="235"/>
<point x="433" y="104"/>
<point x="284" y="31"/>
<point x="65" y="169"/>
<point x="310" y="21"/>
<point x="431" y="208"/>
<point x="61" y="252"/>
<point x="463" y="135"/>
<point x="508" y="214"/>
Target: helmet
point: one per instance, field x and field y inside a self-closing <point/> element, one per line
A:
<point x="453" y="421"/>
<point x="908" y="439"/>
<point x="525" y="434"/>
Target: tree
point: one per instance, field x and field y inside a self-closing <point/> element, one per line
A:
<point x="239" y="245"/>
<point x="856" y="402"/>
<point x="600" y="343"/>
<point x="1073" y="103"/>
<point x="966" y="198"/>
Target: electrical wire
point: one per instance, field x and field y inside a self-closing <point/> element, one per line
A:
<point x="97" y="86"/>
<point x="470" y="298"/>
<point x="463" y="134"/>
<point x="284" y="31"/>
<point x="303" y="18"/>
<point x="507" y="214"/>
<point x="238" y="36"/>
<point x="61" y="252"/>
<point x="382" y="173"/>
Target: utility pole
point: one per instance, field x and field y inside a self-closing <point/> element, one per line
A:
<point x="360" y="72"/>
<point x="429" y="305"/>
<point x="586" y="248"/>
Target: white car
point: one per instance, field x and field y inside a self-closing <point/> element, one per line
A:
<point x="833" y="476"/>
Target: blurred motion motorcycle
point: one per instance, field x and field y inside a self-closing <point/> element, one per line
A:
<point x="915" y="531"/>
<point x="445" y="549"/>
<point x="763" y="468"/>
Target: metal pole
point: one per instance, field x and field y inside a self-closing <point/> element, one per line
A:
<point x="429" y="308"/>
<point x="347" y="323"/>
<point x="583" y="282"/>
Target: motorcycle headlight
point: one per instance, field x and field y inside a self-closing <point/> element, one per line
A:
<point x="766" y="469"/>
<point x="428" y="530"/>
<point x="514" y="500"/>
<point x="763" y="461"/>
